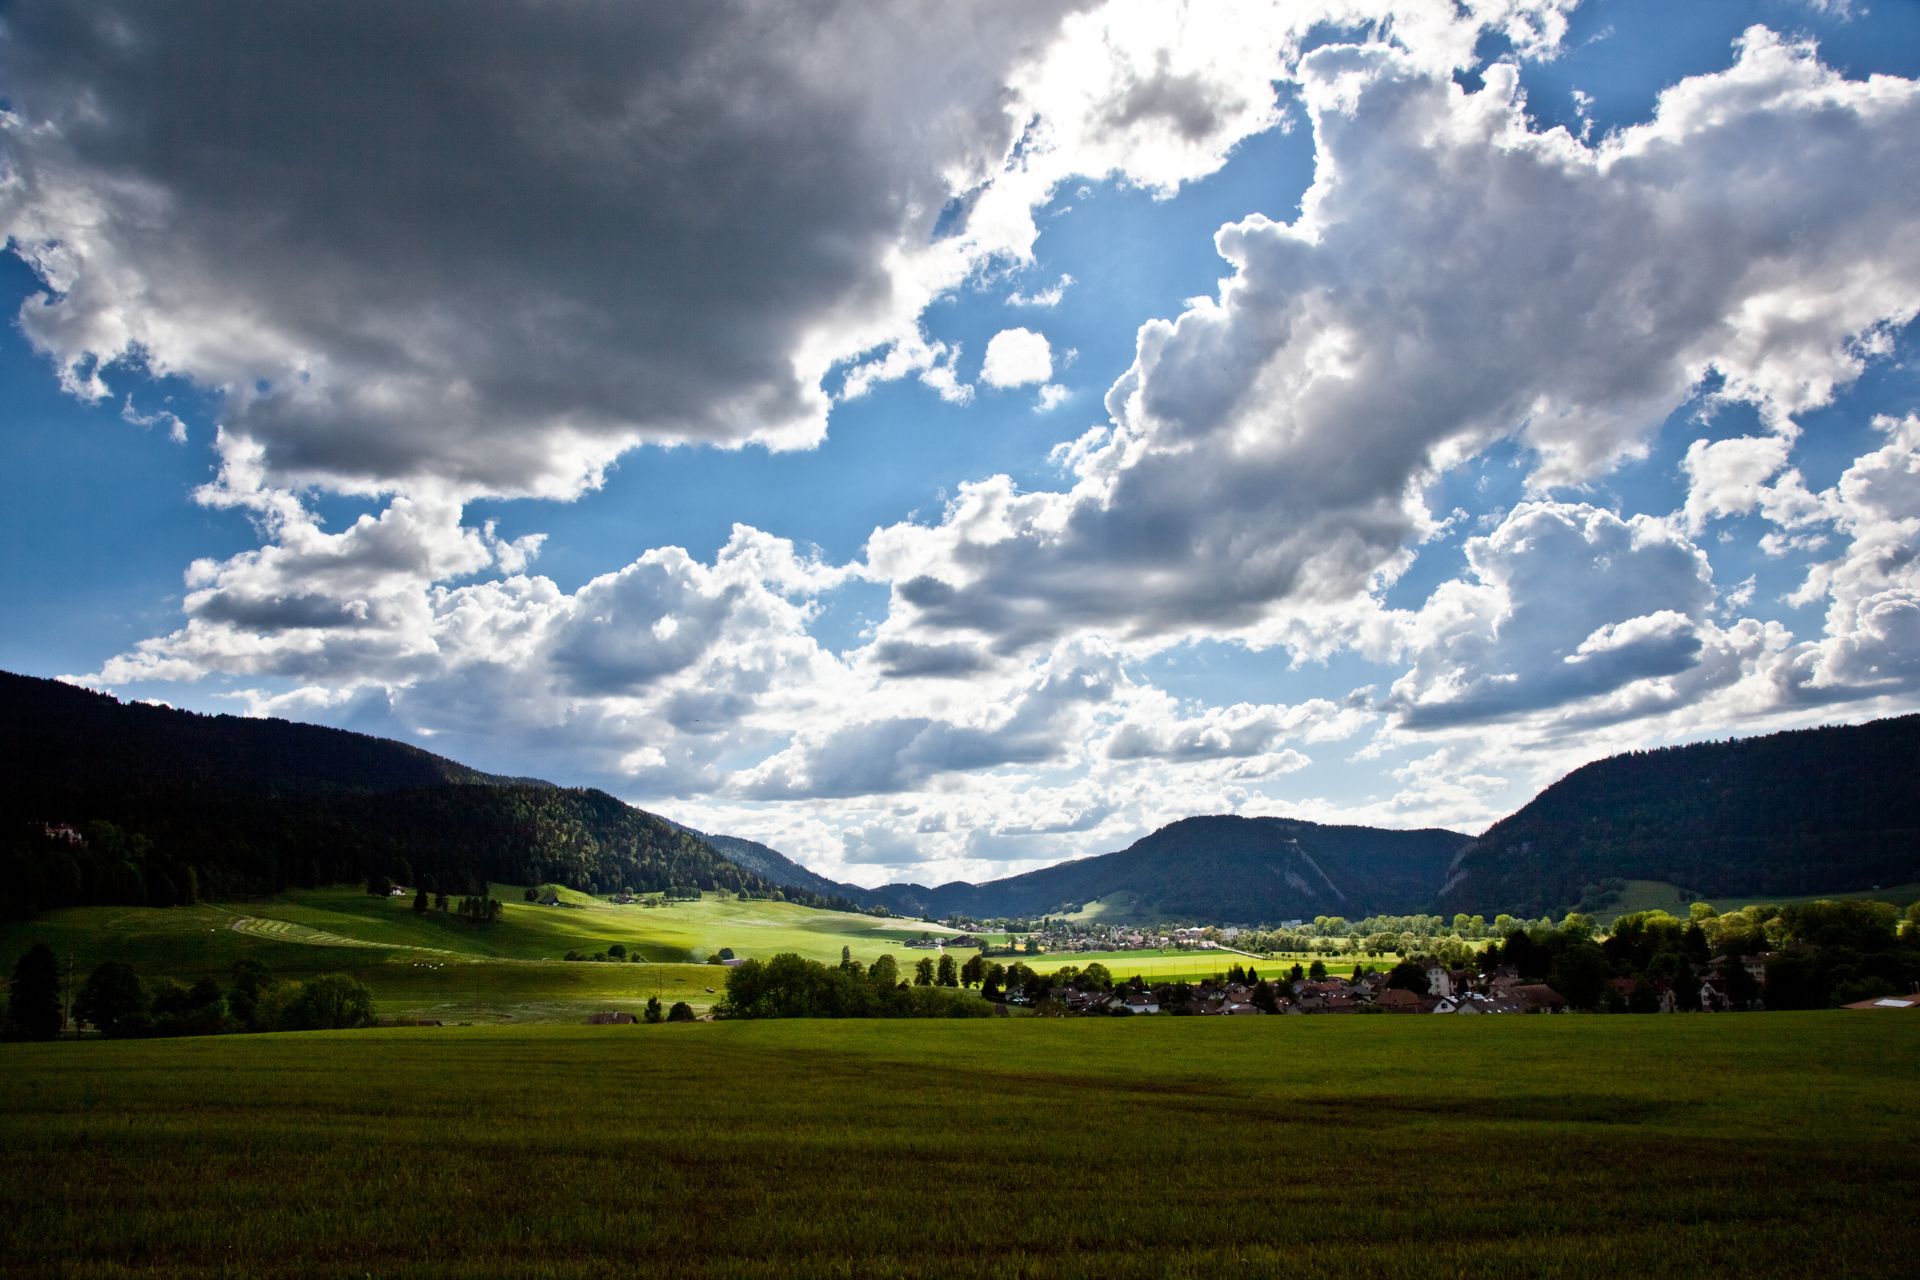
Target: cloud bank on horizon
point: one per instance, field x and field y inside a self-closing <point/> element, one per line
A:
<point x="1518" y="414"/>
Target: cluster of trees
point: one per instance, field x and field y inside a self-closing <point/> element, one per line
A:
<point x="680" y="1012"/>
<point x="1817" y="955"/>
<point x="616" y="953"/>
<point x="791" y="986"/>
<point x="117" y="1002"/>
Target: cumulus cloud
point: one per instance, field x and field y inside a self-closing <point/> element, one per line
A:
<point x="1455" y="277"/>
<point x="1872" y="641"/>
<point x="1017" y="358"/>
<point x="1562" y="602"/>
<point x="896" y="753"/>
<point x="495" y="252"/>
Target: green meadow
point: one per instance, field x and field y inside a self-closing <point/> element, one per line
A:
<point x="1763" y="1145"/>
<point x="439" y="967"/>
<point x="1660" y="895"/>
<point x="1174" y="965"/>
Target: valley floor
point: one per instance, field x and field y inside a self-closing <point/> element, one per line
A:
<point x="1770" y="1145"/>
<point x="438" y="967"/>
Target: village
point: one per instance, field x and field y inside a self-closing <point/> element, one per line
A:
<point x="1447" y="991"/>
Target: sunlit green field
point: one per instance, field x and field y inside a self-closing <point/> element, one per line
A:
<point x="1765" y="1145"/>
<point x="1660" y="895"/>
<point x="1175" y="965"/>
<point x="438" y="966"/>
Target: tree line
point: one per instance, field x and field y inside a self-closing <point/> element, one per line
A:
<point x="115" y="1001"/>
<point x="791" y="986"/>
<point x="1811" y="955"/>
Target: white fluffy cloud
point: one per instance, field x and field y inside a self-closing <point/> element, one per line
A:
<point x="1455" y="277"/>
<point x="1017" y="358"/>
<point x="1563" y="603"/>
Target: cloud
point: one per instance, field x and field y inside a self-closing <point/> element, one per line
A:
<point x="1156" y="729"/>
<point x="1016" y="358"/>
<point x="1048" y="297"/>
<point x="1563" y="602"/>
<point x="898" y="753"/>
<point x="494" y="253"/>
<point x="1455" y="278"/>
<point x="1051" y="397"/>
<point x="1872" y="641"/>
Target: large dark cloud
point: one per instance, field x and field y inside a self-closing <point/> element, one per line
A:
<point x="492" y="243"/>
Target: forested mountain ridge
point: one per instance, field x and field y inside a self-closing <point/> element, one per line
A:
<point x="56" y="738"/>
<point x="1808" y="811"/>
<point x="1225" y="869"/>
<point x="110" y="802"/>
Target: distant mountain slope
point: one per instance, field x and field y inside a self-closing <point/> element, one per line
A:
<point x="779" y="868"/>
<point x="110" y="802"/>
<point x="1810" y="811"/>
<point x="1229" y="869"/>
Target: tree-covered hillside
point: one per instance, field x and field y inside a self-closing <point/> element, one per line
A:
<point x="110" y="802"/>
<point x="1806" y="812"/>
<point x="1228" y="869"/>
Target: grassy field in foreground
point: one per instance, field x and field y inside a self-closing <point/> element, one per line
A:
<point x="439" y="966"/>
<point x="1752" y="1146"/>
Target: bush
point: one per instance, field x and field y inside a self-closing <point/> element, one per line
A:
<point x="681" y="1012"/>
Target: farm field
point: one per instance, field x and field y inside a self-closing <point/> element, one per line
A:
<point x="438" y="966"/>
<point x="1764" y="1145"/>
<point x="1175" y="965"/>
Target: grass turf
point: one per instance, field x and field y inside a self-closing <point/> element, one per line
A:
<point x="437" y="966"/>
<point x="1750" y="1146"/>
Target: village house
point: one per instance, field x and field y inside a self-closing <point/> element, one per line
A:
<point x="1398" y="1000"/>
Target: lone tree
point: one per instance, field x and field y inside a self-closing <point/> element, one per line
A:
<point x="923" y="972"/>
<point x="33" y="1002"/>
<point x="681" y="1012"/>
<point x="949" y="972"/>
<point x="653" y="1013"/>
<point x="420" y="903"/>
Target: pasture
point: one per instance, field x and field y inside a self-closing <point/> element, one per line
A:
<point x="438" y="966"/>
<point x="1174" y="965"/>
<point x="1749" y="1146"/>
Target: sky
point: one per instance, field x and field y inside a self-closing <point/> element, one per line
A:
<point x="938" y="440"/>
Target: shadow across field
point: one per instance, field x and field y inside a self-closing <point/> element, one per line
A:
<point x="1759" y="1146"/>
